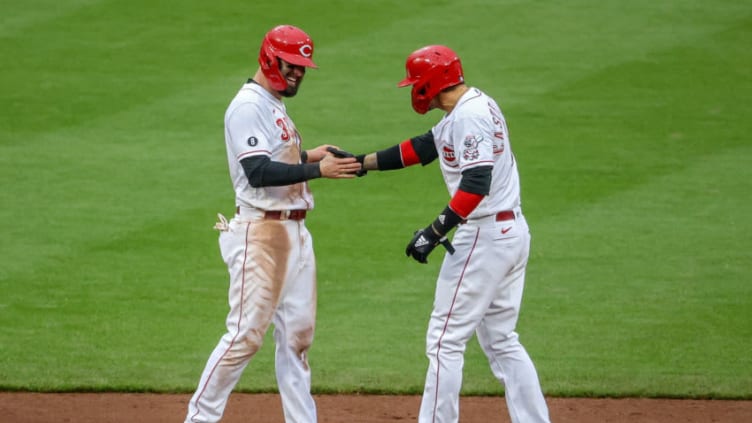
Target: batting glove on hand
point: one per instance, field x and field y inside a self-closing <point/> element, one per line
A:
<point x="340" y="154"/>
<point x="423" y="242"/>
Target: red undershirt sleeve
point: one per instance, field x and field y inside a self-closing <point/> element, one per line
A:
<point x="409" y="156"/>
<point x="463" y="203"/>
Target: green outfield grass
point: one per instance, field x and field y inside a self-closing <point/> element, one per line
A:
<point x="630" y="123"/>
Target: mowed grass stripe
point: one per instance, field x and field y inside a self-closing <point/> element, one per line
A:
<point x="30" y="16"/>
<point x="651" y="281"/>
<point x="618" y="128"/>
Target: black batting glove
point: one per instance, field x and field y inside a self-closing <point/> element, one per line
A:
<point x="423" y="242"/>
<point x="361" y="159"/>
<point x="340" y="154"/>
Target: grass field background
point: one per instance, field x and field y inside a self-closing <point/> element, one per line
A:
<point x="630" y="122"/>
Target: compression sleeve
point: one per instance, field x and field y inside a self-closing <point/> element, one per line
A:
<point x="419" y="149"/>
<point x="476" y="180"/>
<point x="463" y="203"/>
<point x="263" y="172"/>
<point x="474" y="186"/>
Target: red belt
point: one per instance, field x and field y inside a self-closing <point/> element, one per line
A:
<point x="282" y="214"/>
<point x="500" y="216"/>
<point x="505" y="215"/>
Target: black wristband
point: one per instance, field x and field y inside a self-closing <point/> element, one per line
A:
<point x="304" y="156"/>
<point x="445" y="222"/>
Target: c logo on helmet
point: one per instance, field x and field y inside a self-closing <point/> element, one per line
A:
<point x="306" y="50"/>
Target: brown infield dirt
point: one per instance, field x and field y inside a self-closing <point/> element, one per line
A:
<point x="266" y="408"/>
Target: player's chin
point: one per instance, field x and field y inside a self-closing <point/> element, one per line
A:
<point x="290" y="91"/>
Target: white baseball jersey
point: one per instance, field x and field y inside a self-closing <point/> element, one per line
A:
<point x="479" y="288"/>
<point x="256" y="124"/>
<point x="475" y="134"/>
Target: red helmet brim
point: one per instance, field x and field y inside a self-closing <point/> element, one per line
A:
<point x="296" y="60"/>
<point x="407" y="81"/>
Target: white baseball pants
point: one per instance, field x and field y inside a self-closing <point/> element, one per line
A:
<point x="272" y="280"/>
<point x="479" y="290"/>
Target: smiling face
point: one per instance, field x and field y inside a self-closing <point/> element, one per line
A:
<point x="293" y="75"/>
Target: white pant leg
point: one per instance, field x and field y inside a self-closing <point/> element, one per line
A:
<point x="294" y="324"/>
<point x="217" y="381"/>
<point x="254" y="253"/>
<point x="464" y="290"/>
<point x="508" y="359"/>
<point x="513" y="367"/>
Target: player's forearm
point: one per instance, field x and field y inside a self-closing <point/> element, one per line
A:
<point x="473" y="187"/>
<point x="263" y="172"/>
<point x="419" y="149"/>
<point x="387" y="159"/>
<point x="369" y="161"/>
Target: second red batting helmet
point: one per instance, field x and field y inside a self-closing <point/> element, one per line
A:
<point x="430" y="70"/>
<point x="288" y="43"/>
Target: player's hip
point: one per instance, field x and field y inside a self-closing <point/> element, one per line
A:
<point x="492" y="240"/>
<point x="496" y="225"/>
<point x="278" y="240"/>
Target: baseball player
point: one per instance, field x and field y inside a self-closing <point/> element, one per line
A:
<point x="266" y="246"/>
<point x="479" y="288"/>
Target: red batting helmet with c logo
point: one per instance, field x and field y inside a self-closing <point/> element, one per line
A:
<point x="430" y="70"/>
<point x="288" y="43"/>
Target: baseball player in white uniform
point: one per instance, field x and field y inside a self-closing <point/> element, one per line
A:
<point x="479" y="288"/>
<point x="266" y="246"/>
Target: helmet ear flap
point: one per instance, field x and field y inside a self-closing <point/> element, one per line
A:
<point x="270" y="67"/>
<point x="420" y="97"/>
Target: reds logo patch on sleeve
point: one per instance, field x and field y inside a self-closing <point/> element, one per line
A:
<point x="471" y="147"/>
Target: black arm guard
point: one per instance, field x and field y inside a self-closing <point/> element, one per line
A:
<point x="391" y="158"/>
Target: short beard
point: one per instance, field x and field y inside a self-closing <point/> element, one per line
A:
<point x="289" y="91"/>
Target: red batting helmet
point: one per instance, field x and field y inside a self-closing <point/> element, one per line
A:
<point x="430" y="70"/>
<point x="288" y="43"/>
